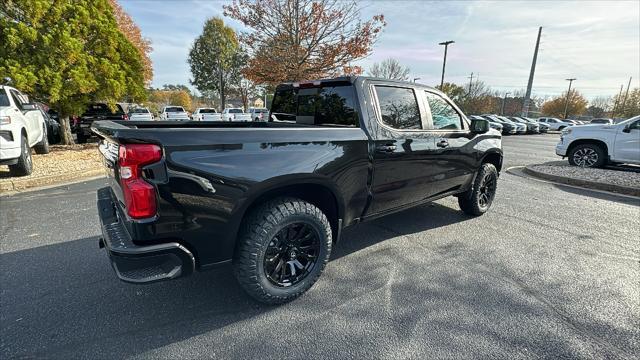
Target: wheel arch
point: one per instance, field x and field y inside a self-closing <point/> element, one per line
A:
<point x="598" y="142"/>
<point x="493" y="157"/>
<point x="318" y="191"/>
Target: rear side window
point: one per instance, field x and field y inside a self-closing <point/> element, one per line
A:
<point x="329" y="105"/>
<point x="444" y="116"/>
<point x="4" y="99"/>
<point x="398" y="107"/>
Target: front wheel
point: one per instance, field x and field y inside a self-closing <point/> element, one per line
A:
<point x="24" y="166"/>
<point x="283" y="247"/>
<point x="587" y="155"/>
<point x="477" y="200"/>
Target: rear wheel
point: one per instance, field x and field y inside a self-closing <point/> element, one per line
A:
<point x="24" y="166"/>
<point x="587" y="155"/>
<point x="477" y="200"/>
<point x="283" y="248"/>
<point x="43" y="146"/>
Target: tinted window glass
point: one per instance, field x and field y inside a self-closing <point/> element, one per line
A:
<point x="4" y="99"/>
<point x="635" y="125"/>
<point x="398" y="107"/>
<point x="444" y="116"/>
<point x="93" y="109"/>
<point x="325" y="105"/>
<point x="139" y="111"/>
<point x="235" y="111"/>
<point x="207" y="111"/>
<point x="16" y="99"/>
<point x="174" y="109"/>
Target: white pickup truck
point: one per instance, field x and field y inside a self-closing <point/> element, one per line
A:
<point x="22" y="126"/>
<point x="206" y="114"/>
<point x="174" y="113"/>
<point x="597" y="145"/>
<point x="235" y="114"/>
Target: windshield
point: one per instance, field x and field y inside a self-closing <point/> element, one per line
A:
<point x="207" y="111"/>
<point x="174" y="109"/>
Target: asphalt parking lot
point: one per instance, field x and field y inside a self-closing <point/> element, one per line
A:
<point x="550" y="271"/>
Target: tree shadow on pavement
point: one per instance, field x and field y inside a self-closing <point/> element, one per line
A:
<point x="377" y="298"/>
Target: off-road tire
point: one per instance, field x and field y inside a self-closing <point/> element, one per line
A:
<point x="43" y="146"/>
<point x="470" y="201"/>
<point x="601" y="155"/>
<point x="24" y="166"/>
<point x="257" y="231"/>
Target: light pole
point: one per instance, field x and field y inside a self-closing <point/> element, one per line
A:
<point x="415" y="79"/>
<point x="566" y="101"/>
<point x="444" y="63"/>
<point x="503" y="101"/>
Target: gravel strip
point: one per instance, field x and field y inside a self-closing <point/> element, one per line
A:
<point x="620" y="178"/>
<point x="62" y="160"/>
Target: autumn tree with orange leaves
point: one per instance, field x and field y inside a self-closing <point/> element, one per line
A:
<point x="294" y="40"/>
<point x="132" y="32"/>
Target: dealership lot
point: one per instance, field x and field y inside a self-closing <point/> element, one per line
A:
<point x="550" y="271"/>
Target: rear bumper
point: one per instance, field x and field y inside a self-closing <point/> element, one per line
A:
<point x="139" y="264"/>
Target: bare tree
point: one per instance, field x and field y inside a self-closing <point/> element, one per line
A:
<point x="390" y="69"/>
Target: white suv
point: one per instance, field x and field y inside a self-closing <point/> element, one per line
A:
<point x="22" y="127"/>
<point x="596" y="145"/>
<point x="555" y="123"/>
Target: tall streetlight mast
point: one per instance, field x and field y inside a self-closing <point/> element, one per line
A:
<point x="527" y="97"/>
<point x="566" y="102"/>
<point x="444" y="63"/>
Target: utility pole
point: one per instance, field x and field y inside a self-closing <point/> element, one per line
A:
<point x="615" y="105"/>
<point x="566" y="101"/>
<point x="470" y="82"/>
<point x="624" y="102"/>
<point x="527" y="97"/>
<point x="444" y="63"/>
<point x="504" y="99"/>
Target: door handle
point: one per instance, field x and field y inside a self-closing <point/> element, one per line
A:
<point x="386" y="148"/>
<point x="442" y="143"/>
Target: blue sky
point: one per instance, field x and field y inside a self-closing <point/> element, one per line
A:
<point x="596" y="42"/>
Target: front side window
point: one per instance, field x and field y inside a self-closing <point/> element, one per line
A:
<point x="4" y="99"/>
<point x="398" y="107"/>
<point x="635" y="125"/>
<point x="444" y="116"/>
<point x="17" y="99"/>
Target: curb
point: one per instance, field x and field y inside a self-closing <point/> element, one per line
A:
<point x="22" y="185"/>
<point x="626" y="190"/>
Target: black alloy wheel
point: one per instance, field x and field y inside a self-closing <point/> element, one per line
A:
<point x="291" y="255"/>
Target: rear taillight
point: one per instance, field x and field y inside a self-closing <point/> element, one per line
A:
<point x="139" y="196"/>
<point x="125" y="117"/>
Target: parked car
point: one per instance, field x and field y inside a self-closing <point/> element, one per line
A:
<point x="95" y="111"/>
<point x="235" y="114"/>
<point x="508" y="128"/>
<point x="532" y="127"/>
<point x="22" y="127"/>
<point x="174" y="113"/>
<point x="206" y="114"/>
<point x="520" y="128"/>
<point x="259" y="114"/>
<point x="493" y="124"/>
<point x="271" y="201"/>
<point x="555" y="123"/>
<point x="599" y="144"/>
<point x="53" y="127"/>
<point x="139" y="114"/>
<point x="602" y="121"/>
<point x="544" y="127"/>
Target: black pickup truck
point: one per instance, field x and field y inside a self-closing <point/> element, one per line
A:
<point x="273" y="197"/>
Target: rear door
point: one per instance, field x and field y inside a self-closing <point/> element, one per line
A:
<point x="403" y="168"/>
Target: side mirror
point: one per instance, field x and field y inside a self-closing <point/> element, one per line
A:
<point x="29" y="107"/>
<point x="479" y="126"/>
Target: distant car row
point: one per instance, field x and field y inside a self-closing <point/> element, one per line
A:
<point x="510" y="125"/>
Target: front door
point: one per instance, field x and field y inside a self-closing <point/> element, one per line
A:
<point x="627" y="144"/>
